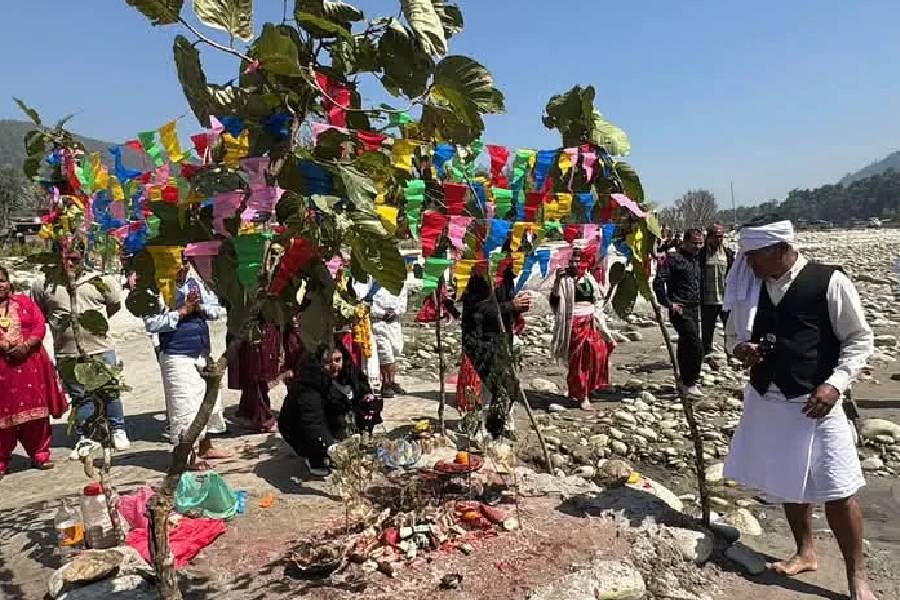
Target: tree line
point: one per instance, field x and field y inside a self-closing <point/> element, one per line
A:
<point x="875" y="196"/>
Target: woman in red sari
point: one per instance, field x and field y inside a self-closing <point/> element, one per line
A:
<point x="29" y="389"/>
<point x="580" y="334"/>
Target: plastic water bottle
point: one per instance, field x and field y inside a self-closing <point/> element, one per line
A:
<point x="69" y="530"/>
<point x="97" y="524"/>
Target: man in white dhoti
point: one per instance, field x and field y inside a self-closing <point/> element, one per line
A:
<point x="385" y="311"/>
<point x="184" y="346"/>
<point x="801" y="329"/>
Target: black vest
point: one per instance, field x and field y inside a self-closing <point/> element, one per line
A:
<point x="803" y="347"/>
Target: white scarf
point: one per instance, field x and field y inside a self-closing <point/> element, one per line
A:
<point x="742" y="287"/>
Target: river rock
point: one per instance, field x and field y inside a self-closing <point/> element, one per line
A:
<point x="744" y="520"/>
<point x="556" y="408"/>
<point x="695" y="546"/>
<point x="603" y="580"/>
<point x="133" y="587"/>
<point x="634" y="336"/>
<point x="885" y="340"/>
<point x="586" y="471"/>
<point x="544" y="385"/>
<point x="871" y="428"/>
<point x="618" y="447"/>
<point x="748" y="560"/>
<point x="94" y="565"/>
<point x="715" y="473"/>
<point x="873" y="463"/>
<point x="624" y="417"/>
<point x="614" y="472"/>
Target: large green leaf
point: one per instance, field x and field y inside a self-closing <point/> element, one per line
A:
<point x="160" y="12"/>
<point x="32" y="114"/>
<point x="333" y="10"/>
<point x="609" y="136"/>
<point x="376" y="252"/>
<point x="94" y="322"/>
<point x="630" y="181"/>
<point x="625" y="295"/>
<point x="93" y="374"/>
<point x="359" y="189"/>
<point x="426" y="24"/>
<point x="571" y="113"/>
<point x="192" y="78"/>
<point x="405" y="64"/>
<point x="462" y="91"/>
<point x="277" y="52"/>
<point x="451" y="17"/>
<point x="321" y="27"/>
<point x="233" y="16"/>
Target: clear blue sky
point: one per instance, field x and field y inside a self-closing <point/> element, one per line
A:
<point x="773" y="95"/>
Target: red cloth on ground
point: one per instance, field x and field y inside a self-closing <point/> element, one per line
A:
<point x="34" y="436"/>
<point x="468" y="386"/>
<point x="29" y="388"/>
<point x="588" y="359"/>
<point x="186" y="541"/>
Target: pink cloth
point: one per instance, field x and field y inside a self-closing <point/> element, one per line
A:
<point x="186" y="541"/>
<point x="133" y="507"/>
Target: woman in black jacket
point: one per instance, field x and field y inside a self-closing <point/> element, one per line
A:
<point x="328" y="400"/>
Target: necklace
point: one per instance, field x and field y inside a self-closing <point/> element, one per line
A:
<point x="5" y="321"/>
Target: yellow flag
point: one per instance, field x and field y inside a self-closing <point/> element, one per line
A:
<point x="115" y="187"/>
<point x="168" y="135"/>
<point x="519" y="229"/>
<point x="462" y="272"/>
<point x="518" y="262"/>
<point x="388" y="215"/>
<point x="564" y="162"/>
<point x="551" y="211"/>
<point x="635" y="241"/>
<point x="166" y="264"/>
<point x="401" y="154"/>
<point x="236" y="148"/>
<point x="565" y="204"/>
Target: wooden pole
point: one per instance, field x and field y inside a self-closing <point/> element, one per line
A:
<point x="442" y="401"/>
<point x="688" y="404"/>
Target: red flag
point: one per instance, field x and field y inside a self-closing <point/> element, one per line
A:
<point x="201" y="143"/>
<point x="433" y="224"/>
<point x="371" y="140"/>
<point x="532" y="204"/>
<point x="499" y="155"/>
<point x="337" y="100"/>
<point x="134" y="145"/>
<point x="455" y="197"/>
<point x="571" y="232"/>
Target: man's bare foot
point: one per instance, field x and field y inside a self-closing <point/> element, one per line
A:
<point x="215" y="454"/>
<point x="795" y="565"/>
<point x="860" y="590"/>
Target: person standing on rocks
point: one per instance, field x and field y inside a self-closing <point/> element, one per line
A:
<point x="184" y="348"/>
<point x="580" y="334"/>
<point x="31" y="393"/>
<point x="717" y="260"/>
<point x="678" y="286"/>
<point x="385" y="310"/>
<point x="101" y="293"/>
<point x="801" y="329"/>
<point x="488" y="324"/>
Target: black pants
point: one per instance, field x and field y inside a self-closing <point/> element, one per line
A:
<point x="690" y="346"/>
<point x="709" y="314"/>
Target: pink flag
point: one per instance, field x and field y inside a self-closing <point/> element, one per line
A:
<point x="224" y="207"/>
<point x="457" y="229"/>
<point x="264" y="199"/>
<point x="255" y="168"/>
<point x="587" y="161"/>
<point x="626" y="202"/>
<point x="590" y="231"/>
<point x="319" y="128"/>
<point x="560" y="260"/>
<point x="202" y="255"/>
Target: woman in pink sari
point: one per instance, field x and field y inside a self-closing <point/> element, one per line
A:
<point x="29" y="389"/>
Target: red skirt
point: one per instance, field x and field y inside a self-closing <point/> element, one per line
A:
<point x="588" y="359"/>
<point x="468" y="386"/>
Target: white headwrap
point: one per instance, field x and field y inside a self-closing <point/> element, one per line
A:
<point x="742" y="287"/>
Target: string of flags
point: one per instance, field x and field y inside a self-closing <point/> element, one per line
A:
<point x="512" y="207"/>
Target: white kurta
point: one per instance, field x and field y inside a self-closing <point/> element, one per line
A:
<point x="779" y="450"/>
<point x="388" y="336"/>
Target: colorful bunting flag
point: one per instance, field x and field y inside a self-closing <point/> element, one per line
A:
<point x="388" y="215"/>
<point x="202" y="255"/>
<point x="457" y="230"/>
<point x="148" y="142"/>
<point x="497" y="236"/>
<point x="543" y="162"/>
<point x="442" y="154"/>
<point x="455" y="197"/>
<point x="587" y="200"/>
<point x="402" y="154"/>
<point x="433" y="224"/>
<point x="168" y="135"/>
<point x="432" y="271"/>
<point x="236" y="148"/>
<point x="502" y="202"/>
<point x="499" y="155"/>
<point x="415" y="197"/>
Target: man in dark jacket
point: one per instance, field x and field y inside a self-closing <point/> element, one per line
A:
<point x="716" y="260"/>
<point x="678" y="287"/>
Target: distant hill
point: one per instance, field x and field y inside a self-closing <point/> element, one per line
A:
<point x="891" y="161"/>
<point x="12" y="148"/>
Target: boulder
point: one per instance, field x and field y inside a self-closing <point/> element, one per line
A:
<point x="654" y="488"/>
<point x="873" y="463"/>
<point x="93" y="565"/>
<point x="715" y="473"/>
<point x="749" y="561"/>
<point x="871" y="428"/>
<point x="746" y="523"/>
<point x="614" y="472"/>
<point x="885" y="340"/>
<point x="603" y="580"/>
<point x="544" y="385"/>
<point x="695" y="546"/>
<point x="133" y="587"/>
